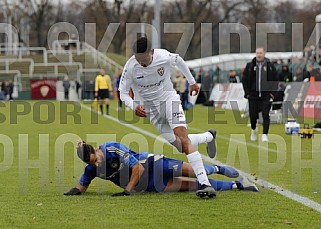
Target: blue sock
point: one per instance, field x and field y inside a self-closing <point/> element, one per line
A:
<point x="221" y="185"/>
<point x="210" y="169"/>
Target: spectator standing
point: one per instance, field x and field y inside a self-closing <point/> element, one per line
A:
<point x="10" y="89"/>
<point x="3" y="93"/>
<point x="298" y="74"/>
<point x="233" y="77"/>
<point x="217" y="74"/>
<point x="285" y="75"/>
<point x="307" y="72"/>
<point x="89" y="89"/>
<point x="200" y="75"/>
<point x="78" y="86"/>
<point x="207" y="85"/>
<point x="192" y="72"/>
<point x="66" y="85"/>
<point x="279" y="97"/>
<point x="259" y="83"/>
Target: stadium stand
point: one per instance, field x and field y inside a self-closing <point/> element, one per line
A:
<point x="236" y="62"/>
<point x="78" y="60"/>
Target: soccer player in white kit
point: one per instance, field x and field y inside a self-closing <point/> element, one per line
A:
<point x="148" y="74"/>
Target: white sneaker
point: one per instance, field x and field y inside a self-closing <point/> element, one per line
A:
<point x="254" y="135"/>
<point x="244" y="184"/>
<point x="265" y="138"/>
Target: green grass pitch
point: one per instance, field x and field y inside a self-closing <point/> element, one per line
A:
<point x="38" y="163"/>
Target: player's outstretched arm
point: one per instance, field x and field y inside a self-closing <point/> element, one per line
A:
<point x="137" y="171"/>
<point x="76" y="191"/>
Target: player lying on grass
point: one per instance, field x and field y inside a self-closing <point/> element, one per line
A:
<point x="137" y="172"/>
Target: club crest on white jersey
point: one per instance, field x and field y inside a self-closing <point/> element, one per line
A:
<point x="161" y="71"/>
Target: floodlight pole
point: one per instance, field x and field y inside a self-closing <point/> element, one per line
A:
<point x="7" y="13"/>
<point x="156" y="23"/>
<point x="317" y="21"/>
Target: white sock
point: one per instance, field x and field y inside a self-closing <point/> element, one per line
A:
<point x="197" y="139"/>
<point x="234" y="186"/>
<point x="216" y="169"/>
<point x="196" y="162"/>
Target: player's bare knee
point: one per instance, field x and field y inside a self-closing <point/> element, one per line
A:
<point x="177" y="144"/>
<point x="185" y="144"/>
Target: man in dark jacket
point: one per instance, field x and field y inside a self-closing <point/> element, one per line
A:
<point x="285" y="75"/>
<point x="259" y="83"/>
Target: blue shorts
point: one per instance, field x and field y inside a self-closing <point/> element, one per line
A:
<point x="158" y="171"/>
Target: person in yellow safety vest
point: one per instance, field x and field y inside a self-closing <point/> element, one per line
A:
<point x="103" y="89"/>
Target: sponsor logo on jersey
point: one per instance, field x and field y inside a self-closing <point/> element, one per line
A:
<point x="178" y="115"/>
<point x="161" y="71"/>
<point x="151" y="85"/>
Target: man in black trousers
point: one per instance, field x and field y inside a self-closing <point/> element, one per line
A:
<point x="260" y="83"/>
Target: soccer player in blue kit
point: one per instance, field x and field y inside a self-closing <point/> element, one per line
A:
<point x="138" y="172"/>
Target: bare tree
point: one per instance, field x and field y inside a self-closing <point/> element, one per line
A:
<point x="42" y="18"/>
<point x="43" y="14"/>
<point x="284" y="12"/>
<point x="255" y="11"/>
<point x="103" y="13"/>
<point x="198" y="12"/>
<point x="306" y="16"/>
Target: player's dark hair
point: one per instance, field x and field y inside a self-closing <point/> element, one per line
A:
<point x="142" y="45"/>
<point x="84" y="150"/>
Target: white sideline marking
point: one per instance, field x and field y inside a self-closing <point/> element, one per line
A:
<point x="284" y="192"/>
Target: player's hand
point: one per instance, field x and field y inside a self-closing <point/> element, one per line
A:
<point x="72" y="192"/>
<point x="192" y="88"/>
<point x="140" y="111"/>
<point x="124" y="193"/>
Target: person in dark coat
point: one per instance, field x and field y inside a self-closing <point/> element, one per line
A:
<point x="260" y="82"/>
<point x="285" y="75"/>
<point x="66" y="85"/>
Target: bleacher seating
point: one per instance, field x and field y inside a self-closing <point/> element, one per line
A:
<point x="79" y="64"/>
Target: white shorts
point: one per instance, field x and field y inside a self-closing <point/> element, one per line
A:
<point x="167" y="116"/>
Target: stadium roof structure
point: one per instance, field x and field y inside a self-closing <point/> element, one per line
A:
<point x="236" y="61"/>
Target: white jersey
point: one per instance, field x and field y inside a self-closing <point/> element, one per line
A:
<point x="152" y="83"/>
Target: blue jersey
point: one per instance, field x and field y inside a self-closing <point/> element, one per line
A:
<point x="119" y="161"/>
